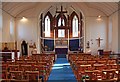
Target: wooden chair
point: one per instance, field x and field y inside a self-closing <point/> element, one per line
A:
<point x="110" y="73"/>
<point x="25" y="67"/>
<point x="99" y="66"/>
<point x="16" y="75"/>
<point x="91" y="62"/>
<point x="33" y="76"/>
<point x="13" y="67"/>
<point x="97" y="75"/>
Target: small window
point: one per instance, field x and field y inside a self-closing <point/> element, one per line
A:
<point x="59" y="22"/>
<point x="47" y="26"/>
<point x="11" y="27"/>
<point x="75" y="26"/>
<point x="61" y="33"/>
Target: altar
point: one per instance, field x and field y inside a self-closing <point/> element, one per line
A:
<point x="61" y="46"/>
<point x="61" y="50"/>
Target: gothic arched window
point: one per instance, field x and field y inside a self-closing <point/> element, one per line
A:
<point x="61" y="22"/>
<point x="75" y="26"/>
<point x="47" y="26"/>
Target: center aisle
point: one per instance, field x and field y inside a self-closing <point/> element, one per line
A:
<point x="61" y="72"/>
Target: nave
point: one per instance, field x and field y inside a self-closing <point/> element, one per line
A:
<point x="34" y="68"/>
<point x="62" y="72"/>
<point x="78" y="67"/>
<point x="38" y="68"/>
<point x="33" y="33"/>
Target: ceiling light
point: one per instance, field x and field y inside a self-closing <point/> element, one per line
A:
<point x="99" y="16"/>
<point x="24" y="19"/>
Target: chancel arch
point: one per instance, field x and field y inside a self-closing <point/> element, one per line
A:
<point x="64" y="30"/>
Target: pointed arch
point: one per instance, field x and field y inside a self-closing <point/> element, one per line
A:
<point x="75" y="26"/>
<point x="48" y="24"/>
<point x="64" y="21"/>
<point x="74" y="30"/>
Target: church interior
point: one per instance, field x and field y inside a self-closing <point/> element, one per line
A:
<point x="60" y="41"/>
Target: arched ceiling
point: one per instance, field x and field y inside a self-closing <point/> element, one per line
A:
<point x="17" y="8"/>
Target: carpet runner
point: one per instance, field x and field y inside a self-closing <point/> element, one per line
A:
<point x="61" y="72"/>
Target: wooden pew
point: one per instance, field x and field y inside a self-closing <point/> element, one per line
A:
<point x="99" y="67"/>
<point x="26" y="66"/>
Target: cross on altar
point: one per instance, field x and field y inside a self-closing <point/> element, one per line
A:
<point x="99" y="39"/>
<point x="61" y="13"/>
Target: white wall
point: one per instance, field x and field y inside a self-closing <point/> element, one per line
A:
<point x="26" y="30"/>
<point x="114" y="39"/>
<point x="119" y="29"/>
<point x="110" y="29"/>
<point x="6" y="27"/>
<point x="6" y="35"/>
<point x="94" y="30"/>
<point x="0" y="24"/>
